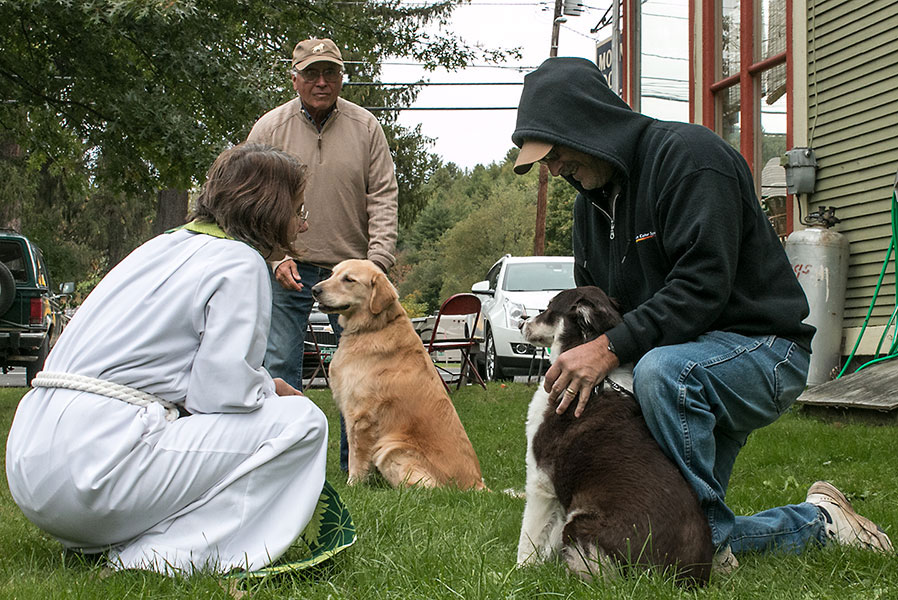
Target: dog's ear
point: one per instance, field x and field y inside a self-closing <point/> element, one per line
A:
<point x="596" y="316"/>
<point x="382" y="293"/>
<point x="584" y="310"/>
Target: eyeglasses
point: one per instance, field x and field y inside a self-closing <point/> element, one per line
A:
<point x="551" y="156"/>
<point x="302" y="213"/>
<point x="312" y="75"/>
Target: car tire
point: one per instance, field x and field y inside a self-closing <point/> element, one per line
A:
<point x="7" y="288"/>
<point x="492" y="367"/>
<point x="35" y="366"/>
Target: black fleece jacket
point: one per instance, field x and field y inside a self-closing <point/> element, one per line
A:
<point x="678" y="238"/>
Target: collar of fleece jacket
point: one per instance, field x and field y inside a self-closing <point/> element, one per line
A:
<point x="567" y="101"/>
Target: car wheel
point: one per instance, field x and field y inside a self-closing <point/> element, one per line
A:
<point x="7" y="288"/>
<point x="35" y="366"/>
<point x="492" y="368"/>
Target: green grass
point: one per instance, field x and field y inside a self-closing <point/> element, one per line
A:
<point x="448" y="544"/>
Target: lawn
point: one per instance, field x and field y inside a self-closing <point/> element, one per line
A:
<point x="431" y="544"/>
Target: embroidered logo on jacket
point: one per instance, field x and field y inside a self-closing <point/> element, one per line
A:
<point x="641" y="237"/>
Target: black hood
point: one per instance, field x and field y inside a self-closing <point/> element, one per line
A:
<point x="556" y="98"/>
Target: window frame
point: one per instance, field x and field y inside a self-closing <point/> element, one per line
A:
<point x="747" y="78"/>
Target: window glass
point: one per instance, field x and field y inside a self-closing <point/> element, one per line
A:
<point x="664" y="62"/>
<point x="493" y="276"/>
<point x="773" y="146"/>
<point x="531" y="277"/>
<point x="773" y="112"/>
<point x="773" y="81"/>
<point x="729" y="35"/>
<point x="43" y="274"/>
<point x="773" y="29"/>
<point x="730" y="116"/>
<point x="11" y="255"/>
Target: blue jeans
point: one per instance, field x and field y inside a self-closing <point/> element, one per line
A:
<point x="286" y="337"/>
<point x="701" y="400"/>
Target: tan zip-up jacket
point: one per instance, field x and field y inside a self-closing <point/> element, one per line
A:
<point x="351" y="193"/>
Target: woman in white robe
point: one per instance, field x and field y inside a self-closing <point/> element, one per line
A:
<point x="185" y="318"/>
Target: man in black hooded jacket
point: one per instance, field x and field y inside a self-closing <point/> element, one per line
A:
<point x="667" y="222"/>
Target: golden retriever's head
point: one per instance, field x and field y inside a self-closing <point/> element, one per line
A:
<point x="357" y="290"/>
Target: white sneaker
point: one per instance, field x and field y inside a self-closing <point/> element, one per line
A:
<point x="843" y="525"/>
<point x="724" y="561"/>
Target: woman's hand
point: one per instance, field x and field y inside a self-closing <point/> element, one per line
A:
<point x="282" y="388"/>
<point x="576" y="372"/>
<point x="288" y="275"/>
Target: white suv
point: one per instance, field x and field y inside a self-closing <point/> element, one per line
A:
<point x="516" y="287"/>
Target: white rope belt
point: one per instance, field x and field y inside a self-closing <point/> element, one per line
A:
<point x="109" y="389"/>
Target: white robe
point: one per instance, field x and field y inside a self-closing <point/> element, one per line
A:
<point x="184" y="317"/>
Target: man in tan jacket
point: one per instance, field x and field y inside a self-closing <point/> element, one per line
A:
<point x="351" y="197"/>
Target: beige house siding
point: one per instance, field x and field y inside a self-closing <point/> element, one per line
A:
<point x="853" y="128"/>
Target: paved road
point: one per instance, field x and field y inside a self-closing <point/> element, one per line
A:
<point x="15" y="378"/>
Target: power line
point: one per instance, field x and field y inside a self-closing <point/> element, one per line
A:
<point x="663" y="56"/>
<point x="413" y="64"/>
<point x="647" y="14"/>
<point x="664" y="97"/>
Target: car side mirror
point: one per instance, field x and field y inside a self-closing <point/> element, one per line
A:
<point x="482" y="287"/>
<point x="67" y="288"/>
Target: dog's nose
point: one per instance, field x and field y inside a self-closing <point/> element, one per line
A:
<point x="316" y="289"/>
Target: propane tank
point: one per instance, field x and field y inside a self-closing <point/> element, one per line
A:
<point x="819" y="257"/>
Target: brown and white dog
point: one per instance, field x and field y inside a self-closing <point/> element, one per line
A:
<point x="599" y="490"/>
<point x="398" y="415"/>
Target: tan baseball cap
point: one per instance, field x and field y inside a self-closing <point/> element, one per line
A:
<point x="531" y="152"/>
<point x="315" y="50"/>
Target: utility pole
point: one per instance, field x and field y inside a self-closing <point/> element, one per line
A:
<point x="542" y="193"/>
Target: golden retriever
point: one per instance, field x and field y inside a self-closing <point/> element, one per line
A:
<point x="397" y="412"/>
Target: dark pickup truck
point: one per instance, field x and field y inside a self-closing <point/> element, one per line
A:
<point x="31" y="313"/>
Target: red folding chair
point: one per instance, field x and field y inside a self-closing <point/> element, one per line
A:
<point x="457" y="305"/>
<point x="312" y="351"/>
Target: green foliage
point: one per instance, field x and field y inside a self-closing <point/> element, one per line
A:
<point x="559" y="221"/>
<point x="504" y="225"/>
<point x="413" y="307"/>
<point x="447" y="544"/>
<point x="472" y="219"/>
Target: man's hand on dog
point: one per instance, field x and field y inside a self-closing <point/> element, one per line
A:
<point x="288" y="276"/>
<point x="576" y="372"/>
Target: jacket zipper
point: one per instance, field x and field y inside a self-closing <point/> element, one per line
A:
<point x="607" y="216"/>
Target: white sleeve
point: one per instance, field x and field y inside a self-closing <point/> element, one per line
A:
<point x="233" y="312"/>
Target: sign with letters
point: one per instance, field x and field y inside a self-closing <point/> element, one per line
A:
<point x="605" y="61"/>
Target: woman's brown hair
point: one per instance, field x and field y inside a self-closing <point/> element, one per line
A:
<point x="250" y="192"/>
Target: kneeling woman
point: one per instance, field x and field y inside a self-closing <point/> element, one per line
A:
<point x="97" y="455"/>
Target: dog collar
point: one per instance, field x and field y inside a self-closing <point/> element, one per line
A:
<point x="614" y="386"/>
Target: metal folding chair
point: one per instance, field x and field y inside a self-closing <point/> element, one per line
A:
<point x="457" y="305"/>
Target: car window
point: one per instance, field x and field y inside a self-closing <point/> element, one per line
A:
<point x="43" y="273"/>
<point x="531" y="277"/>
<point x="12" y="256"/>
<point x="493" y="276"/>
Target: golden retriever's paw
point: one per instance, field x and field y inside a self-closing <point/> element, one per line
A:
<point x="357" y="478"/>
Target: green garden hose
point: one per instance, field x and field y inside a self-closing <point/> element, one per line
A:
<point x="892" y="322"/>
